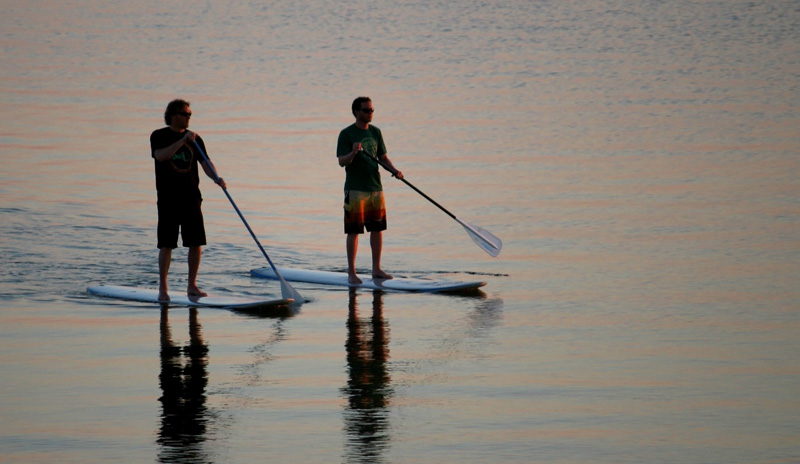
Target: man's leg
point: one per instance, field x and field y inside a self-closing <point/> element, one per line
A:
<point x="164" y="260"/>
<point x="195" y="254"/>
<point x="352" y="251"/>
<point x="376" y="242"/>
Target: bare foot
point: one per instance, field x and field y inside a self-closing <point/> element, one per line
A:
<point x="353" y="279"/>
<point x="163" y="296"/>
<point x="193" y="290"/>
<point x="379" y="274"/>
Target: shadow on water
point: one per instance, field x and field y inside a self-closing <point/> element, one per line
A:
<point x="183" y="381"/>
<point x="269" y="312"/>
<point x="368" y="390"/>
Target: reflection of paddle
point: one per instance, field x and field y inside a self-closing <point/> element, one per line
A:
<point x="286" y="290"/>
<point x="482" y="237"/>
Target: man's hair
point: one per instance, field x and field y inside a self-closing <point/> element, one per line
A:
<point x="173" y="107"/>
<point x="357" y="103"/>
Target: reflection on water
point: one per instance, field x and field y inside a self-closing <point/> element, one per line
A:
<point x="183" y="380"/>
<point x="638" y="158"/>
<point x="487" y="315"/>
<point x="368" y="390"/>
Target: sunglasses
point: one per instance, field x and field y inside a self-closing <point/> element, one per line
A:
<point x="368" y="110"/>
<point x="184" y="114"/>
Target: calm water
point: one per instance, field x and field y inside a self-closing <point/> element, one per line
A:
<point x="639" y="159"/>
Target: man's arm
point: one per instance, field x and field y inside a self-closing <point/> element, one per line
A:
<point x="387" y="163"/>
<point x="211" y="172"/>
<point x="346" y="160"/>
<point x="164" y="154"/>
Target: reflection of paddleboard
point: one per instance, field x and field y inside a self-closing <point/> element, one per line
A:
<point x="150" y="295"/>
<point x="340" y="279"/>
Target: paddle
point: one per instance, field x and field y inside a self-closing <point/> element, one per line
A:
<point x="286" y="290"/>
<point x="482" y="237"/>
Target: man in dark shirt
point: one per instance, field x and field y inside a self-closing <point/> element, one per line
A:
<point x="359" y="148"/>
<point x="179" y="198"/>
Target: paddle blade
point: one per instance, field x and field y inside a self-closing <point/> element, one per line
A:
<point x="287" y="291"/>
<point x="484" y="239"/>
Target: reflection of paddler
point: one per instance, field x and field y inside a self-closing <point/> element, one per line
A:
<point x="183" y="381"/>
<point x="368" y="390"/>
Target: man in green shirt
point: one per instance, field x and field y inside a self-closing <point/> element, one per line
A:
<point x="359" y="149"/>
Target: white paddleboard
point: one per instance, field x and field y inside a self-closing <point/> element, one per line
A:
<point x="150" y="295"/>
<point x="340" y="278"/>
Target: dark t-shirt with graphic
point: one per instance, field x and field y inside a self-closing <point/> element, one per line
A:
<point x="177" y="178"/>
<point x="363" y="173"/>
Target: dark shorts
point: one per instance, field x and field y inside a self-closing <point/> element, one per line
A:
<point x="184" y="217"/>
<point x="364" y="210"/>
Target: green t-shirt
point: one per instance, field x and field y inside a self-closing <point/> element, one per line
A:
<point x="363" y="173"/>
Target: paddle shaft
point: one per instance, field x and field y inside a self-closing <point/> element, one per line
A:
<point x="249" y="229"/>
<point x="430" y="199"/>
<point x="233" y="203"/>
<point x="421" y="193"/>
<point x="287" y="291"/>
<point x="483" y="238"/>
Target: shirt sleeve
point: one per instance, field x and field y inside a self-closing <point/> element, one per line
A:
<point x="343" y="145"/>
<point x="381" y="146"/>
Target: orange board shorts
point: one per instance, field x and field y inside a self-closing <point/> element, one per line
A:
<point x="364" y="210"/>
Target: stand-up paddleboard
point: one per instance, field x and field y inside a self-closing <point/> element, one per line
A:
<point x="150" y="295"/>
<point x="399" y="284"/>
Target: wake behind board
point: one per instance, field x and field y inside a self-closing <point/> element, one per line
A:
<point x="150" y="295"/>
<point x="399" y="284"/>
